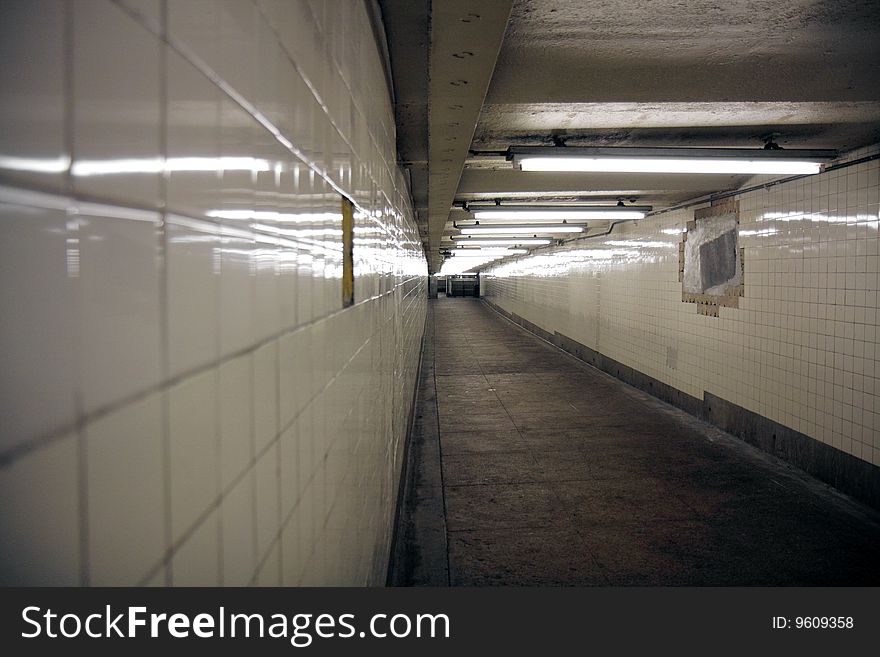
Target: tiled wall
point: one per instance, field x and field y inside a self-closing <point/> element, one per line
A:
<point x="183" y="399"/>
<point x="802" y="347"/>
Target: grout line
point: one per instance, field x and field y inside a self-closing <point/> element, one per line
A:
<point x="440" y="443"/>
<point x="83" y="505"/>
<point x="164" y="349"/>
<point x="69" y="93"/>
<point x="218" y="474"/>
<point x="251" y="469"/>
<point x="278" y="456"/>
<point x="216" y="280"/>
<point x="279" y="541"/>
<point x="82" y="484"/>
<point x="17" y="451"/>
<point x="165" y="405"/>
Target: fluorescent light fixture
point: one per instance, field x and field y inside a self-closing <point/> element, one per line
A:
<point x="516" y="229"/>
<point x="670" y="160"/>
<point x="559" y="213"/>
<point x="482" y="250"/>
<point x="494" y="241"/>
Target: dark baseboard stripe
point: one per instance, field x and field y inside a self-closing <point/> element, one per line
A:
<point x="835" y="467"/>
<point x="848" y="474"/>
<point x="400" y="498"/>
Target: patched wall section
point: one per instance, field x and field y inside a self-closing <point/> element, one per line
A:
<point x="711" y="262"/>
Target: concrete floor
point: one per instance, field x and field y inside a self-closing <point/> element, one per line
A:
<point x="528" y="467"/>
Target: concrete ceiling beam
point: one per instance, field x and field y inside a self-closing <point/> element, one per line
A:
<point x="466" y="37"/>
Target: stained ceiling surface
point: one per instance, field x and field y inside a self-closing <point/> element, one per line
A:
<point x="474" y="77"/>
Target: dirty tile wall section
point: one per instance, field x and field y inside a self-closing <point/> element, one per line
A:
<point x="800" y="349"/>
<point x="184" y="401"/>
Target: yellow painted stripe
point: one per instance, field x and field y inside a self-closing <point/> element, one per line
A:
<point x="347" y="252"/>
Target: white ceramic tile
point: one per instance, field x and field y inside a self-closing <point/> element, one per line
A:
<point x="237" y="134"/>
<point x="310" y="525"/>
<point x="305" y="286"/>
<point x="157" y="579"/>
<point x="40" y="336"/>
<point x="288" y="457"/>
<point x="125" y="493"/>
<point x="237" y="59"/>
<point x="318" y="350"/>
<point x="149" y="12"/>
<point x="197" y="561"/>
<point x="268" y="524"/>
<point x="265" y="395"/>
<point x="196" y="23"/>
<point x="222" y="33"/>
<point x="226" y="292"/>
<point x="192" y="139"/>
<point x="119" y="309"/>
<point x="299" y="100"/>
<point x="32" y="146"/>
<point x="39" y="517"/>
<point x="236" y="288"/>
<point x="298" y="88"/>
<point x="286" y="272"/>
<point x="298" y="35"/>
<point x="194" y="446"/>
<point x="239" y="532"/>
<point x="236" y="421"/>
<point x="294" y="375"/>
<point x="270" y="63"/>
<point x="193" y="273"/>
<point x="116" y="105"/>
<point x="264" y="261"/>
<point x="305" y="532"/>
<point x="270" y="571"/>
<point x="291" y="562"/>
<point x="306" y="450"/>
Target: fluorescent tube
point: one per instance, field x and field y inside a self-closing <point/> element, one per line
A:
<point x="511" y="229"/>
<point x="491" y="241"/>
<point x="667" y="165"/>
<point x="670" y="160"/>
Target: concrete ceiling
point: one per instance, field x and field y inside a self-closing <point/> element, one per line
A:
<point x="622" y="72"/>
<point x="407" y="25"/>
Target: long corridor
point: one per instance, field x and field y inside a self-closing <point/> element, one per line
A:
<point x="529" y="467"/>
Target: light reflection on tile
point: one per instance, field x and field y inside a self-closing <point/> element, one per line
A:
<point x="116" y="105"/>
<point x="203" y="277"/>
<point x="32" y="148"/>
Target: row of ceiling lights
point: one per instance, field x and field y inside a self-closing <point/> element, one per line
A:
<point x="551" y="220"/>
